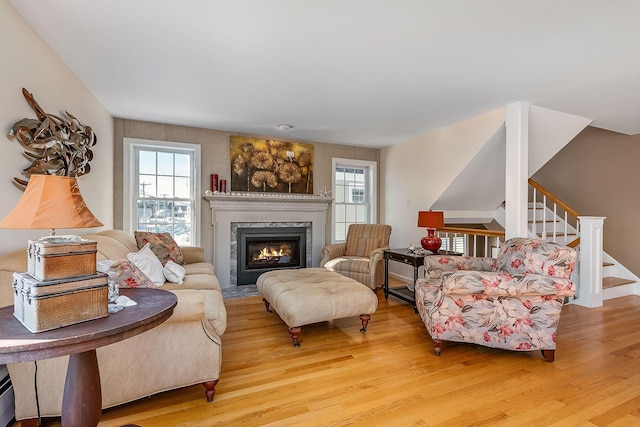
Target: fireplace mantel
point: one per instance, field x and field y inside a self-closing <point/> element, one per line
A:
<point x="269" y="201"/>
<point x="263" y="207"/>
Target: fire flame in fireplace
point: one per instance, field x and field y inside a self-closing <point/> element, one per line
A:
<point x="270" y="253"/>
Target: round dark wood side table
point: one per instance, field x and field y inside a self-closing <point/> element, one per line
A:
<point x="82" y="399"/>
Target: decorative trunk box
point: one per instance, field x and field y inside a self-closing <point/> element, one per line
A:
<point x="44" y="305"/>
<point x="50" y="261"/>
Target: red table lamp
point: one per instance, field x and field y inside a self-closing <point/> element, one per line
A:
<point x="431" y="220"/>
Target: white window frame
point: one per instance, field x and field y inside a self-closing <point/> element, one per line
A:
<point x="371" y="180"/>
<point x="130" y="180"/>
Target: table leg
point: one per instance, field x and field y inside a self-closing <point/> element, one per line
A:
<point x="82" y="399"/>
<point x="415" y="279"/>
<point x="386" y="278"/>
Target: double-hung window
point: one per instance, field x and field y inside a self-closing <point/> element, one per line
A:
<point x="161" y="187"/>
<point x="354" y="195"/>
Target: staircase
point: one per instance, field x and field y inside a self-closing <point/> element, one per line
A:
<point x="617" y="281"/>
<point x="484" y="160"/>
<point x="551" y="219"/>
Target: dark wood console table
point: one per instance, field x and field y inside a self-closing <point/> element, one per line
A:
<point x="82" y="399"/>
<point x="403" y="256"/>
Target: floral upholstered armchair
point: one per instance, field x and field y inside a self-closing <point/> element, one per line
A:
<point x="512" y="302"/>
<point x="360" y="256"/>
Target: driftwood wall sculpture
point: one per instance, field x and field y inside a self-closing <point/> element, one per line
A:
<point x="54" y="145"/>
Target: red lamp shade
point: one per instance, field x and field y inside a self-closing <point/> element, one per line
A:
<point x="431" y="220"/>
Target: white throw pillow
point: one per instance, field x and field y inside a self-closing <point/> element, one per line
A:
<point x="148" y="263"/>
<point x="174" y="272"/>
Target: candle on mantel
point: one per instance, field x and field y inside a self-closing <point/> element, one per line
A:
<point x="223" y="185"/>
<point x="214" y="182"/>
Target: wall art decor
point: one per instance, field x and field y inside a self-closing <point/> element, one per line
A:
<point x="268" y="165"/>
<point x="54" y="145"/>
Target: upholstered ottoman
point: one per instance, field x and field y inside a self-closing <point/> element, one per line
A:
<point x="311" y="295"/>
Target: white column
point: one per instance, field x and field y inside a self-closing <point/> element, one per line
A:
<point x="517" y="171"/>
<point x="589" y="292"/>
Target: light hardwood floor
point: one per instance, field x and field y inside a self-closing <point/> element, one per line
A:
<point x="389" y="376"/>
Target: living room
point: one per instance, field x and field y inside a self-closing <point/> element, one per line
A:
<point x="406" y="185"/>
<point x="401" y="190"/>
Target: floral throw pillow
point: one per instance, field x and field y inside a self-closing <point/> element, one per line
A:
<point x="162" y="244"/>
<point x="130" y="276"/>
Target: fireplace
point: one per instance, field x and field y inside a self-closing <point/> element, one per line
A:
<point x="232" y="211"/>
<point x="264" y="249"/>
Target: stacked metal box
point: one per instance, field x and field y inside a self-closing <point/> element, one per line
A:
<point x="61" y="286"/>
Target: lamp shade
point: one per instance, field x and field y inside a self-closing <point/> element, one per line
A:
<point x="431" y="219"/>
<point x="51" y="201"/>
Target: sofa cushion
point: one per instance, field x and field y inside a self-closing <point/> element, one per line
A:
<point x="162" y="244"/>
<point x="533" y="256"/>
<point x="199" y="268"/>
<point x="201" y="281"/>
<point x="437" y="265"/>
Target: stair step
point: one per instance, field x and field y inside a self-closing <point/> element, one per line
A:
<point x="612" y="282"/>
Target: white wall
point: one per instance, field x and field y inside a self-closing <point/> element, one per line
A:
<point x="28" y="62"/>
<point x="416" y="172"/>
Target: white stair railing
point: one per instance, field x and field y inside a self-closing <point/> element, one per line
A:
<point x="559" y="223"/>
<point x="581" y="232"/>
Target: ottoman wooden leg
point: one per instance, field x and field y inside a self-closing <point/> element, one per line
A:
<point x="295" y="333"/>
<point x="210" y="387"/>
<point x="364" y="318"/>
<point x="267" y="305"/>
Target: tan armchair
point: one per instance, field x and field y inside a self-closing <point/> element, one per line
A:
<point x="360" y="256"/>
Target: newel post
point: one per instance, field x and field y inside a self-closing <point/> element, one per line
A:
<point x="590" y="262"/>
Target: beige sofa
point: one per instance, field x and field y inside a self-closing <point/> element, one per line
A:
<point x="184" y="350"/>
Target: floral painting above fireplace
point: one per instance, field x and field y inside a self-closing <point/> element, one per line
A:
<point x="269" y="165"/>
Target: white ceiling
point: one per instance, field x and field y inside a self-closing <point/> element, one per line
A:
<point x="359" y="72"/>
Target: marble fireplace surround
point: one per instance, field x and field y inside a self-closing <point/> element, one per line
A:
<point x="233" y="270"/>
<point x="254" y="208"/>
